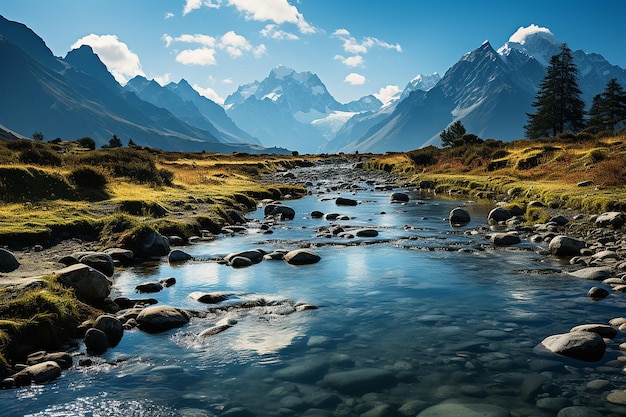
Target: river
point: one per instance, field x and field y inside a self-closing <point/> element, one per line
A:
<point x="422" y="315"/>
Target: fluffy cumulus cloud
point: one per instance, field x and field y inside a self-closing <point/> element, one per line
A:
<point x="209" y="93"/>
<point x="520" y="34"/>
<point x="206" y="47"/>
<point x="271" y="31"/>
<point x="353" y="46"/>
<point x="118" y="58"/>
<point x="355" y="79"/>
<point x="388" y="93"/>
<point x="277" y="11"/>
<point x="351" y="61"/>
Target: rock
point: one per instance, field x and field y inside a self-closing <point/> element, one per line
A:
<point x="308" y="370"/>
<point x="559" y="220"/>
<point x="498" y="215"/>
<point x="90" y="285"/>
<point x="584" y="346"/>
<point x="426" y="184"/>
<point x="236" y="217"/>
<point x="316" y="214"/>
<point x="255" y="256"/>
<point x="464" y="410"/>
<point x="279" y="210"/>
<point x="613" y="219"/>
<point x="156" y="319"/>
<point x="111" y="326"/>
<point x="411" y="408"/>
<point x="301" y="257"/>
<point x="96" y="341"/>
<point x="565" y="246"/>
<point x="209" y="297"/>
<point x="553" y="404"/>
<point x="8" y="261"/>
<point x="399" y="198"/>
<point x="597" y="293"/>
<point x="586" y="183"/>
<point x="240" y="262"/>
<point x="63" y="359"/>
<point x="366" y="232"/>
<point x="505" y="239"/>
<point x="578" y="411"/>
<point x="178" y="255"/>
<point x="123" y="256"/>
<point x="167" y="282"/>
<point x="97" y="260"/>
<point x="360" y="381"/>
<point x="381" y="410"/>
<point x="237" y="412"/>
<point x="149" y="287"/>
<point x="603" y="330"/>
<point x="605" y="254"/>
<point x="39" y="373"/>
<point x="592" y="273"/>
<point x="342" y="201"/>
<point x="218" y="328"/>
<point x="617" y="397"/>
<point x="459" y="216"/>
<point x="147" y="243"/>
<point x="125" y="302"/>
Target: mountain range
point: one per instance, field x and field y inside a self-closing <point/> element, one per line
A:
<point x="489" y="90"/>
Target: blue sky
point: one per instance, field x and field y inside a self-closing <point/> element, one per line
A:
<point x="357" y="47"/>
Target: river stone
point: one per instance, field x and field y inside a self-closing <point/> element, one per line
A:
<point x="301" y="257"/>
<point x="157" y="318"/>
<point x="8" y="261"/>
<point x="366" y="233"/>
<point x="308" y="370"/>
<point x="111" y="326"/>
<point x="178" y="255"/>
<point x="39" y="373"/>
<point x="90" y="285"/>
<point x="594" y="273"/>
<point x="584" y="346"/>
<point x="285" y="212"/>
<point x="505" y="239"/>
<point x="613" y="219"/>
<point x="578" y="411"/>
<point x="316" y="214"/>
<point x="255" y="256"/>
<point x="208" y="297"/>
<point x="150" y="244"/>
<point x="498" y="215"/>
<point x="597" y="293"/>
<point x="63" y="359"/>
<point x="342" y="201"/>
<point x="237" y="412"/>
<point x="464" y="410"/>
<point x="399" y="198"/>
<point x="123" y="256"/>
<point x="149" y="287"/>
<point x="360" y="381"/>
<point x="603" y="330"/>
<point x="240" y="262"/>
<point x="380" y="410"/>
<point x="617" y="397"/>
<point x="411" y="408"/>
<point x="97" y="260"/>
<point x="96" y="341"/>
<point x="459" y="216"/>
<point x="553" y="404"/>
<point x="565" y="246"/>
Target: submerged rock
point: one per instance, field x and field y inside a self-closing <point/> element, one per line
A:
<point x="464" y="410"/>
<point x="584" y="346"/>
<point x="301" y="257"/>
<point x="360" y="381"/>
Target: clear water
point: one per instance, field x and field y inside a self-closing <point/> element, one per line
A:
<point x="449" y="321"/>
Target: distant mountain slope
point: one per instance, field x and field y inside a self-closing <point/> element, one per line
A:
<point x="78" y="97"/>
<point x="489" y="91"/>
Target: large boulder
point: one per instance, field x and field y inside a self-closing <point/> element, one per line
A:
<point x="63" y="359"/>
<point x="459" y="217"/>
<point x="505" y="239"/>
<point x="613" y="219"/>
<point x="399" y="198"/>
<point x="8" y="261"/>
<point x="342" y="201"/>
<point x="147" y="243"/>
<point x="582" y="345"/>
<point x="157" y="318"/>
<point x="498" y="215"/>
<point x="593" y="273"/>
<point x="279" y="210"/>
<point x="254" y="255"/>
<point x="565" y="246"/>
<point x="178" y="256"/>
<point x="96" y="341"/>
<point x="301" y="257"/>
<point x="111" y="326"/>
<point x="120" y="255"/>
<point x="90" y="285"/>
<point x="39" y="373"/>
<point x="101" y="261"/>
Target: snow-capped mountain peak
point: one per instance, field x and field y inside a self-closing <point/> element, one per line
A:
<point x="534" y="41"/>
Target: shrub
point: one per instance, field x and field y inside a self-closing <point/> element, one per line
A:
<point x="86" y="142"/>
<point x="88" y="177"/>
<point x="40" y="155"/>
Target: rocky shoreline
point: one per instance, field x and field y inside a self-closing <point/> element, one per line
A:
<point x="592" y="247"/>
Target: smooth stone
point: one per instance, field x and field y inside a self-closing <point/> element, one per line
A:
<point x="342" y="201"/>
<point x="309" y="371"/>
<point x="594" y="273"/>
<point x="498" y="215"/>
<point x="492" y="334"/>
<point x="99" y="261"/>
<point x="149" y="287"/>
<point x="603" y="330"/>
<point x="366" y="233"/>
<point x="613" y="219"/>
<point x="464" y="410"/>
<point x="578" y="411"/>
<point x="411" y="408"/>
<point x="459" y="216"/>
<point x="89" y="283"/>
<point x="208" y="297"/>
<point x="161" y="318"/>
<point x="381" y="410"/>
<point x="599" y="385"/>
<point x="167" y="282"/>
<point x="505" y="239"/>
<point x="584" y="346"/>
<point x="316" y="214"/>
<point x="96" y="341"/>
<point x="240" y="262"/>
<point x="63" y="359"/>
<point x="617" y="397"/>
<point x="565" y="246"/>
<point x="8" y="261"/>
<point x="597" y="293"/>
<point x="553" y="404"/>
<point x="255" y="256"/>
<point x="178" y="255"/>
<point x="301" y="257"/>
<point x="39" y="373"/>
<point x="360" y="380"/>
<point x="111" y="326"/>
<point x="399" y="198"/>
<point x="279" y="210"/>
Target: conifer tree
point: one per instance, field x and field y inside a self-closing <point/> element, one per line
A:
<point x="558" y="103"/>
<point x="450" y="135"/>
<point x="608" y="110"/>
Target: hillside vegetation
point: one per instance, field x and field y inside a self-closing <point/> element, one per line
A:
<point x="579" y="172"/>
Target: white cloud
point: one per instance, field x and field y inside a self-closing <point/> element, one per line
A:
<point x="228" y="81"/>
<point x="520" y="34"/>
<point x="351" y="45"/>
<point x="204" y="40"/>
<point x="209" y="93"/>
<point x="270" y="31"/>
<point x="198" y="56"/>
<point x="163" y="79"/>
<point x="191" y="5"/>
<point x="388" y="93"/>
<point x="355" y="79"/>
<point x="168" y="15"/>
<point x="351" y="61"/>
<point x="234" y="44"/>
<point x="118" y="58"/>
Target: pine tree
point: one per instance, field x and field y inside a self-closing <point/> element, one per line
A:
<point x="450" y="135"/>
<point x="559" y="106"/>
<point x="608" y="110"/>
